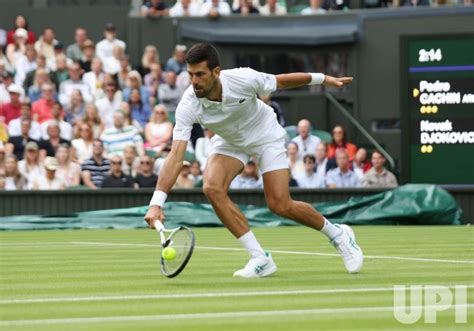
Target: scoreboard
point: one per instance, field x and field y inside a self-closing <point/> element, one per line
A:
<point x="437" y="87"/>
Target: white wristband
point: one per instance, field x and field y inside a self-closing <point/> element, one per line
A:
<point x="158" y="199"/>
<point x="316" y="78"/>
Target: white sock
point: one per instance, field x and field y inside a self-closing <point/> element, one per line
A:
<point x="330" y="230"/>
<point x="249" y="241"/>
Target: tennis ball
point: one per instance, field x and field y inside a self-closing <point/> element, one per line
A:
<point x="169" y="253"/>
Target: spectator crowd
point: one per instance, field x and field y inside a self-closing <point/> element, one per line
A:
<point x="83" y="115"/>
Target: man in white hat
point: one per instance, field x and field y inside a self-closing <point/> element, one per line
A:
<point x="11" y="110"/>
<point x="49" y="180"/>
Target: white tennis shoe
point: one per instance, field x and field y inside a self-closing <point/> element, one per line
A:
<point x="260" y="266"/>
<point x="346" y="246"/>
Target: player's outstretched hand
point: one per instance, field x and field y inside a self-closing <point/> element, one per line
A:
<point x="337" y="82"/>
<point x="154" y="213"/>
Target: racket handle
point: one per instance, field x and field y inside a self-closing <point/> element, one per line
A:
<point x="160" y="228"/>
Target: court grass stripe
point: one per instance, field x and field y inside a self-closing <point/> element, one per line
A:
<point x="209" y="295"/>
<point x="385" y="257"/>
<point x="231" y="314"/>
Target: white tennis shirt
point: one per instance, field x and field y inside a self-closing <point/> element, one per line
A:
<point x="241" y="119"/>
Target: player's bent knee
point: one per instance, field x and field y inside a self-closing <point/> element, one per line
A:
<point x="213" y="192"/>
<point x="279" y="207"/>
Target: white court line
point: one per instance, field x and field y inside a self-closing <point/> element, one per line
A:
<point x="202" y="295"/>
<point x="231" y="314"/>
<point x="419" y="259"/>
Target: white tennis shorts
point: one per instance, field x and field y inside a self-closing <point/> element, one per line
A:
<point x="269" y="157"/>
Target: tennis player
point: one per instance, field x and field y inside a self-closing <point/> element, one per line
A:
<point x="225" y="101"/>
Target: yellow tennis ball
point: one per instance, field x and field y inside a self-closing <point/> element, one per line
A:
<point x="169" y="253"/>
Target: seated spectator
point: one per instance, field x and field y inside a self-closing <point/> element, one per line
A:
<point x="120" y="136"/>
<point x="48" y="147"/>
<point x="25" y="64"/>
<point x="309" y="179"/>
<point x="105" y="47"/>
<point x="88" y="53"/>
<point x="249" y="178"/>
<point x="342" y="176"/>
<point x="21" y="22"/>
<point x="110" y="103"/>
<point x="378" y="176"/>
<point x="64" y="127"/>
<point x="12" y="110"/>
<point x="215" y="8"/>
<point x="117" y="179"/>
<point x="307" y="143"/>
<point x="135" y="82"/>
<point x="40" y="65"/>
<point x="5" y="81"/>
<point x="184" y="8"/>
<point x="92" y="118"/>
<point x="74" y="83"/>
<point x="416" y="3"/>
<point x="75" y="109"/>
<point x="150" y="56"/>
<point x="96" y="168"/>
<point x="158" y="130"/>
<point x="195" y="172"/>
<point x="169" y="94"/>
<point x="276" y="108"/>
<point x="49" y="180"/>
<point x="361" y="165"/>
<point x="17" y="49"/>
<point x="322" y="165"/>
<point x="146" y="177"/>
<point x="140" y="109"/>
<point x="336" y="4"/>
<point x="45" y="44"/>
<point x="82" y="146"/>
<point x="296" y="165"/>
<point x="245" y="8"/>
<point x="42" y="77"/>
<point x="74" y="51"/>
<point x="17" y="144"/>
<point x="130" y="162"/>
<point x="30" y="166"/>
<point x="62" y="72"/>
<point x="315" y="8"/>
<point x="339" y="141"/>
<point x="154" y="8"/>
<point x="204" y="147"/>
<point x="184" y="178"/>
<point x="177" y="64"/>
<point x="14" y="180"/>
<point x="124" y="70"/>
<point x="125" y="108"/>
<point x="68" y="170"/>
<point x="95" y="78"/>
<point x="41" y="110"/>
<point x="14" y="127"/>
<point x="271" y="8"/>
<point x="153" y="81"/>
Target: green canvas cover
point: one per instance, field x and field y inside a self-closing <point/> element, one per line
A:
<point x="406" y="205"/>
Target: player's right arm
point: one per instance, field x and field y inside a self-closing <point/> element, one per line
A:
<point x="166" y="179"/>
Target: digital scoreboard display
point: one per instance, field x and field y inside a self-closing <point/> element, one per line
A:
<point x="438" y="109"/>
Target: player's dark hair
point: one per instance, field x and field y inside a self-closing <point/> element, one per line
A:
<point x="203" y="52"/>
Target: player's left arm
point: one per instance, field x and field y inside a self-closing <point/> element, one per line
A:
<point x="298" y="79"/>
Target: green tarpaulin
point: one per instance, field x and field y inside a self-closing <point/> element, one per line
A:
<point x="409" y="204"/>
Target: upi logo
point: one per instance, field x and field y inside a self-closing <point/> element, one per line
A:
<point x="411" y="302"/>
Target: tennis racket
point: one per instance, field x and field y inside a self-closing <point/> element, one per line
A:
<point x="181" y="239"/>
